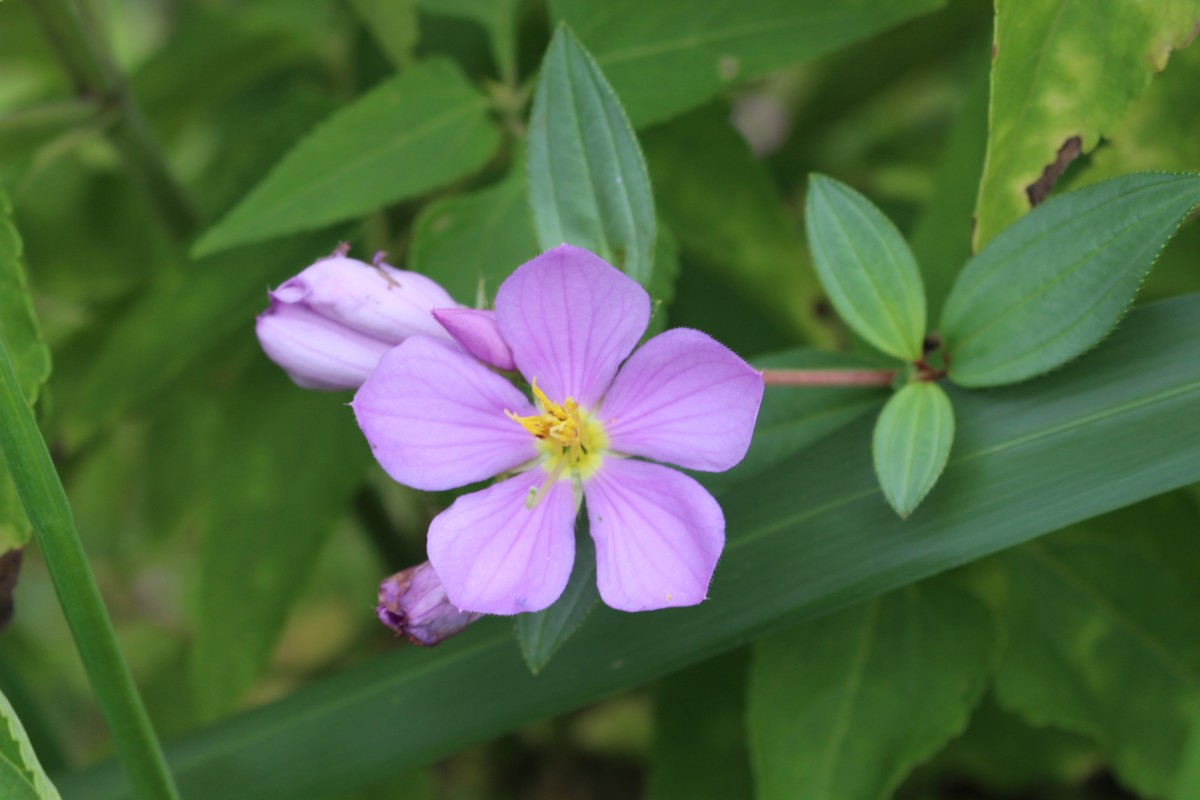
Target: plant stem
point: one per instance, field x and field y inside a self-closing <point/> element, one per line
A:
<point x="45" y="503"/>
<point x="828" y="377"/>
<point x="86" y="58"/>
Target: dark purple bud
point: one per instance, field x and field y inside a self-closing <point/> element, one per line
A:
<point x="413" y="603"/>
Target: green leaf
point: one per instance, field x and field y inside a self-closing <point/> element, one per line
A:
<point x="540" y="634"/>
<point x="393" y="24"/>
<point x="841" y="708"/>
<point x="270" y="506"/>
<point x="1056" y="282"/>
<point x="588" y="183"/>
<point x="498" y="18"/>
<point x="473" y="240"/>
<point x="21" y="774"/>
<point x="746" y="230"/>
<point x="407" y="136"/>
<point x="675" y="58"/>
<point x="1187" y="785"/>
<point x="811" y="536"/>
<point x="700" y="733"/>
<point x="912" y="442"/>
<point x="22" y="337"/>
<point x="866" y="268"/>
<point x="1096" y="644"/>
<point x="1062" y="77"/>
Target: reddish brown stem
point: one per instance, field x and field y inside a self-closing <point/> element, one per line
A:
<point x="828" y="377"/>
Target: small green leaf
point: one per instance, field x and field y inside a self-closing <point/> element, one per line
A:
<point x="587" y="179"/>
<point x="866" y="268"/>
<point x="912" y="442"/>
<point x="1096" y="642"/>
<point x="540" y="634"/>
<point x="405" y="137"/>
<point x="1063" y="76"/>
<point x="472" y="239"/>
<point x="30" y="356"/>
<point x="842" y="707"/>
<point x="1056" y="282"/>
<point x="700" y="733"/>
<point x="677" y="56"/>
<point x="21" y="774"/>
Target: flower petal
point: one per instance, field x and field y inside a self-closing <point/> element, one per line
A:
<point x="571" y="319"/>
<point x="495" y="556"/>
<point x="435" y="417"/>
<point x="317" y="353"/>
<point x="686" y="399"/>
<point x="658" y="535"/>
<point x="477" y="332"/>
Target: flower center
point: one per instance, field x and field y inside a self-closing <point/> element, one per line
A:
<point x="570" y="438"/>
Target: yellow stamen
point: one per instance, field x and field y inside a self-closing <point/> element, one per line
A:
<point x="568" y="436"/>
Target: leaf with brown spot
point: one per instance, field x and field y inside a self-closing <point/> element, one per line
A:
<point x="1039" y="190"/>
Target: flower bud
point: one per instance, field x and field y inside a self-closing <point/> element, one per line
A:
<point x="413" y="603"/>
<point x="329" y="326"/>
<point x="477" y="332"/>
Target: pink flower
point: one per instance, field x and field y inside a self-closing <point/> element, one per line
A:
<point x="329" y="326"/>
<point x="437" y="419"/>
<point x="413" y="603"/>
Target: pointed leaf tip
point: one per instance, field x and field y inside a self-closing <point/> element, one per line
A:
<point x="912" y="444"/>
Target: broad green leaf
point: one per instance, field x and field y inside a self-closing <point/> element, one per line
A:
<point x="677" y="56"/>
<point x="941" y="238"/>
<point x="911" y="443"/>
<point x="498" y="18"/>
<point x="588" y="183"/>
<point x="746" y="230"/>
<point x="811" y="536"/>
<point x="30" y="357"/>
<point x="21" y="775"/>
<point x="700" y="733"/>
<point x="1056" y="282"/>
<point x="842" y="707"/>
<point x="1096" y="643"/>
<point x="407" y="136"/>
<point x="866" y="268"/>
<point x="539" y="635"/>
<point x="267" y="508"/>
<point x="475" y="240"/>
<point x="393" y="24"/>
<point x="1064" y="73"/>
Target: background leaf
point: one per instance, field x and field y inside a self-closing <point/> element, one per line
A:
<point x="498" y="18"/>
<point x="842" y="707"/>
<point x="911" y="443"/>
<point x="17" y="754"/>
<point x="475" y="239"/>
<point x="540" y="634"/>
<point x="811" y="536"/>
<point x="267" y="510"/>
<point x="393" y="24"/>
<point x="866" y="268"/>
<point x="675" y="58"/>
<point x="588" y="183"/>
<point x="700" y="733"/>
<point x="410" y="134"/>
<point x="1094" y="611"/>
<point x="1056" y="282"/>
<point x="1062" y="70"/>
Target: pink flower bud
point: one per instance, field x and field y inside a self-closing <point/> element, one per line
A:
<point x="329" y="326"/>
<point x="477" y="332"/>
<point x="413" y="603"/>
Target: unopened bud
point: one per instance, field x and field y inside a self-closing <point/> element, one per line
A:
<point x="329" y="326"/>
<point x="413" y="603"/>
<point x="477" y="332"/>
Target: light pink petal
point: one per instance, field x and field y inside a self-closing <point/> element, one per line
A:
<point x="685" y="399"/>
<point x="477" y="332"/>
<point x="496" y="556"/>
<point x="317" y="353"/>
<point x="571" y="319"/>
<point x="658" y="535"/>
<point x="434" y="417"/>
